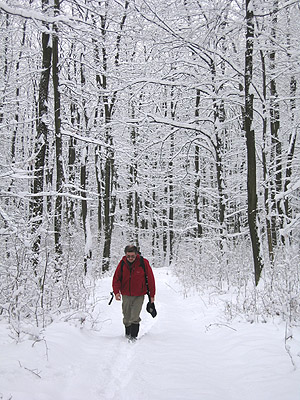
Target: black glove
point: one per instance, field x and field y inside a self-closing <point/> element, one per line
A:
<point x="151" y="309"/>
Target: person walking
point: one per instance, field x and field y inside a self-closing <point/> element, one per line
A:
<point x="129" y="284"/>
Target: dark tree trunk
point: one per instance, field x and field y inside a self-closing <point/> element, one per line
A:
<point x="15" y="131"/>
<point x="275" y="140"/>
<point x="199" y="229"/>
<point x="264" y="159"/>
<point x="219" y="117"/>
<point x="72" y="169"/>
<point x="70" y="203"/>
<point x="41" y="143"/>
<point x="100" y="188"/>
<point x="58" y="146"/>
<point x="84" y="179"/>
<point x="250" y="140"/>
<point x="84" y="207"/>
<point x="133" y="201"/>
<point x="109" y="199"/>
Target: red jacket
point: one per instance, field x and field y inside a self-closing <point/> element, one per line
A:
<point x="133" y="279"/>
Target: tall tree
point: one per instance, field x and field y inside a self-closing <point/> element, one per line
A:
<point x="84" y="174"/>
<point x="265" y="148"/>
<point x="276" y="152"/>
<point x="58" y="144"/>
<point x="250" y="140"/>
<point x="197" y="162"/>
<point x="41" y="142"/>
<point x="293" y="129"/>
<point x="133" y="201"/>
<point x="109" y="197"/>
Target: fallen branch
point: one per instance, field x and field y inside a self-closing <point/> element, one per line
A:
<point x="30" y="370"/>
<point x="229" y="327"/>
<point x="287" y="347"/>
<point x="42" y="340"/>
<point x="171" y="287"/>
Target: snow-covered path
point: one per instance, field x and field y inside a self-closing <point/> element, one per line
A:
<point x="186" y="353"/>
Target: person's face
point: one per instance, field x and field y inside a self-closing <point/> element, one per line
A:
<point x="131" y="256"/>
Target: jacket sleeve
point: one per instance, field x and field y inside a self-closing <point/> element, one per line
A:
<point x="116" y="283"/>
<point x="151" y="279"/>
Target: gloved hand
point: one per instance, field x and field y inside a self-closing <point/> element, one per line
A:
<point x="151" y="309"/>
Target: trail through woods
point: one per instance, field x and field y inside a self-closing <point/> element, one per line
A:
<point x="188" y="352"/>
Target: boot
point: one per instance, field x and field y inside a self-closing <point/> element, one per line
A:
<point x="134" y="330"/>
<point x="128" y="331"/>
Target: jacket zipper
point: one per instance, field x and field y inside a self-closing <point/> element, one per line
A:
<point x="130" y="281"/>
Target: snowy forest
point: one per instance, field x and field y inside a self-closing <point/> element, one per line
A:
<point x="169" y="124"/>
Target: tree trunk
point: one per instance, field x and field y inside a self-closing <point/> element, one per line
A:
<point x="264" y="159"/>
<point x="219" y="118"/>
<point x="99" y="169"/>
<point x="291" y="149"/>
<point x="171" y="180"/>
<point x="102" y="82"/>
<point x="109" y="200"/>
<point x="199" y="229"/>
<point x="15" y="131"/>
<point x="250" y="140"/>
<point x="133" y="201"/>
<point x="293" y="134"/>
<point x="5" y="62"/>
<point x="84" y="209"/>
<point x="84" y="179"/>
<point x="100" y="188"/>
<point x="41" y="143"/>
<point x="171" y="198"/>
<point x="58" y="146"/>
<point x="74" y="117"/>
<point x="276" y="161"/>
<point x="71" y="170"/>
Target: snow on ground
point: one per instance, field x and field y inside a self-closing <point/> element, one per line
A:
<point x="188" y="352"/>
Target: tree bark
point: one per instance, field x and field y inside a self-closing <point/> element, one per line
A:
<point x="219" y="118"/>
<point x="171" y="180"/>
<point x="133" y="201"/>
<point x="58" y="146"/>
<point x="250" y="141"/>
<point x="293" y="134"/>
<point x="84" y="178"/>
<point x="199" y="229"/>
<point x="264" y="158"/>
<point x="41" y="143"/>
<point x="109" y="199"/>
<point x="276" y="161"/>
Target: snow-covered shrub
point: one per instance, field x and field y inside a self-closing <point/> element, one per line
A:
<point x="227" y="275"/>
